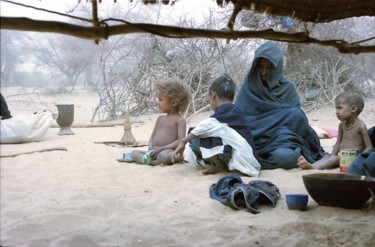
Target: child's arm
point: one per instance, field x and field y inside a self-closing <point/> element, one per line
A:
<point x="336" y="147"/>
<point x="366" y="138"/>
<point x="179" y="151"/>
<point x="151" y="140"/>
<point x="181" y="146"/>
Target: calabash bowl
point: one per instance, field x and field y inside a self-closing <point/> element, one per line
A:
<point x="339" y="190"/>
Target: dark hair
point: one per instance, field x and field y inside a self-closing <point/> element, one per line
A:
<point x="352" y="99"/>
<point x="224" y="87"/>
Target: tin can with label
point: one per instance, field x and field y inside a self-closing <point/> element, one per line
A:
<point x="346" y="158"/>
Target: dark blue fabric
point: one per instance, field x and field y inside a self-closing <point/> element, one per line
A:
<point x="268" y="192"/>
<point x="232" y="192"/>
<point x="4" y="111"/>
<point x="275" y="116"/>
<point x="232" y="115"/>
<point x="364" y="164"/>
<point x="220" y="190"/>
<point x="371" y="133"/>
<point x="244" y="196"/>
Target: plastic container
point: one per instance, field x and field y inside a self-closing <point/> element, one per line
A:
<point x="346" y="158"/>
<point x="297" y="201"/>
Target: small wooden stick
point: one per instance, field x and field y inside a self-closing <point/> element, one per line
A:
<point x="35" y="151"/>
<point x="127" y="136"/>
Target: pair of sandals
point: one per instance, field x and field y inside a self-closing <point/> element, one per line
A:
<point x="147" y="157"/>
<point x="232" y="192"/>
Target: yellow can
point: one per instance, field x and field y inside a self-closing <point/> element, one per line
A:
<point x="346" y="158"/>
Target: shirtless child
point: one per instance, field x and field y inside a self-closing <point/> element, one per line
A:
<point x="352" y="132"/>
<point x="174" y="97"/>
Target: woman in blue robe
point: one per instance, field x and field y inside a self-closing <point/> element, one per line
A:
<point x="271" y="106"/>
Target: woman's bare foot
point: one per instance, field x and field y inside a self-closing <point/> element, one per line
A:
<point x="209" y="171"/>
<point x="215" y="169"/>
<point x="304" y="164"/>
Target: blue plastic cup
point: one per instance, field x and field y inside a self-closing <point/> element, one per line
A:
<point x="297" y="201"/>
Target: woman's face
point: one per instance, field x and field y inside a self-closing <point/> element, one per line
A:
<point x="264" y="67"/>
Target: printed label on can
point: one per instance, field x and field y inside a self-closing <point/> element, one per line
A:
<point x="346" y="158"/>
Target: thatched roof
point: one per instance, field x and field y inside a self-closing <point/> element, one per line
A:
<point x="316" y="11"/>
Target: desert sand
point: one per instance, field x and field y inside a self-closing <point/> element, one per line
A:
<point x="84" y="197"/>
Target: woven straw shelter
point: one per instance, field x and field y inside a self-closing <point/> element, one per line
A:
<point x="315" y="11"/>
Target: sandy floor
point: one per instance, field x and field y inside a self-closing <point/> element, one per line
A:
<point x="84" y="197"/>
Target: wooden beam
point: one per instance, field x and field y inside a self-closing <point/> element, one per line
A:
<point x="95" y="19"/>
<point x="104" y="31"/>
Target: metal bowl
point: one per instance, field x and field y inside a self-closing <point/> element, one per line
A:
<point x="339" y="190"/>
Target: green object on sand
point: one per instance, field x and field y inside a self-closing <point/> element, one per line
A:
<point x="147" y="157"/>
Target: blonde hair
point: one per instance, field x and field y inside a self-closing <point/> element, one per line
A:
<point x="177" y="92"/>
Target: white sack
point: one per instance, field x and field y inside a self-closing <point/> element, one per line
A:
<point x="25" y="128"/>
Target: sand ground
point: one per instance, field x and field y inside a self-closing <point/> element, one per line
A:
<point x="84" y="197"/>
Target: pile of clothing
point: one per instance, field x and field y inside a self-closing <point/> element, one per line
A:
<point x="233" y="192"/>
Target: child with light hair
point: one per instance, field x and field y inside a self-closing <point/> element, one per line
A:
<point x="174" y="97"/>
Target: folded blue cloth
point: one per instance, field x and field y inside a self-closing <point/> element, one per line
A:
<point x="268" y="192"/>
<point x="231" y="191"/>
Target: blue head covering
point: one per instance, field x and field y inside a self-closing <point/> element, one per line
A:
<point x="282" y="91"/>
<point x="272" y="53"/>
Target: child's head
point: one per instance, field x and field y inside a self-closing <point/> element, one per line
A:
<point x="224" y="87"/>
<point x="353" y="101"/>
<point x="176" y="93"/>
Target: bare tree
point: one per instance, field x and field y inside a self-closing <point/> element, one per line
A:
<point x="326" y="72"/>
<point x="66" y="59"/>
<point x="197" y="62"/>
<point x="113" y="83"/>
<point x="13" y="55"/>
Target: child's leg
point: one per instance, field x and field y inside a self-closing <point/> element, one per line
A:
<point x="327" y="162"/>
<point x="137" y="156"/>
<point x="166" y="157"/>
